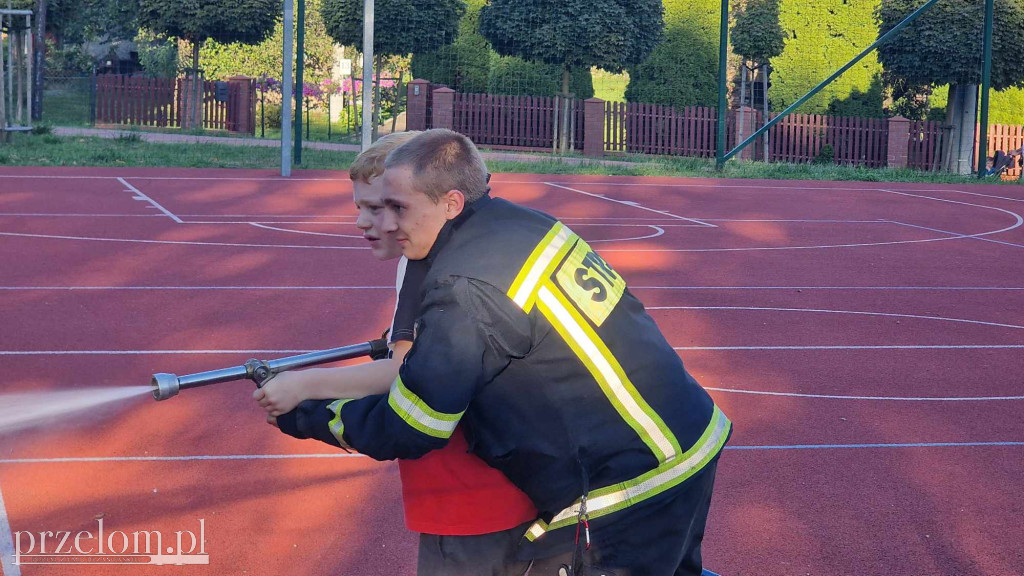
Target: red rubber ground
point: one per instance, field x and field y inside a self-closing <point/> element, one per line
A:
<point x="867" y="340"/>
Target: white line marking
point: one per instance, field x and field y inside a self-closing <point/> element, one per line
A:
<point x="302" y="231"/>
<point x="826" y="311"/>
<point x="892" y="398"/>
<point x="154" y="203"/>
<point x="179" y="242"/>
<point x="47" y="215"/>
<point x="879" y="347"/>
<point x="957" y="233"/>
<point x="906" y="445"/>
<point x="657" y="232"/>
<point x="230" y="457"/>
<point x="980" y="194"/>
<point x="631" y="204"/>
<point x="9" y="568"/>
<point x="140" y="352"/>
<point x="197" y="287"/>
<point x="634" y="288"/>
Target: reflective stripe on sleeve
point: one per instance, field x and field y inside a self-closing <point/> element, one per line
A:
<point x="336" y="425"/>
<point x="416" y="413"/>
<point x="608" y="373"/>
<point x="613" y="498"/>
<point x="545" y="256"/>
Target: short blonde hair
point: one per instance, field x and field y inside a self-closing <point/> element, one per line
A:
<point x="370" y="162"/>
<point x="442" y="160"/>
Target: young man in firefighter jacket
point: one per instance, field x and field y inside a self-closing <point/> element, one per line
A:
<point x="561" y="380"/>
<point x="469" y="516"/>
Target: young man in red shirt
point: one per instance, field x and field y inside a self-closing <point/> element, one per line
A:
<point x="470" y="516"/>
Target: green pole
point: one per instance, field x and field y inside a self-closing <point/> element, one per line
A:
<point x="986" y="82"/>
<point x="300" y="41"/>
<point x="913" y="16"/>
<point x="723" y="77"/>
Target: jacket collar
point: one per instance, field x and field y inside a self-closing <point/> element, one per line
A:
<point x="449" y="228"/>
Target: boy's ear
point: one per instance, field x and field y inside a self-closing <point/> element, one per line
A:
<point x="454" y="201"/>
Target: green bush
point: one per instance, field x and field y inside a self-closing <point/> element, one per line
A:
<point x="826" y="155"/>
<point x="822" y="36"/>
<point x="42" y="129"/>
<point x="683" y="69"/>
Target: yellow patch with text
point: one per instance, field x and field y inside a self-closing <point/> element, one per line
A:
<point x="590" y="283"/>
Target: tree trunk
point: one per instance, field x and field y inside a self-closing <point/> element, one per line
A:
<point x="961" y="116"/>
<point x="743" y="102"/>
<point x="39" y="55"/>
<point x="765" y="71"/>
<point x="196" y="110"/>
<point x="563" y="141"/>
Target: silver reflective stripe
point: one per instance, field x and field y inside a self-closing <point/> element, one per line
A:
<point x="336" y="425"/>
<point x="533" y="277"/>
<point x="614" y="498"/>
<point x="416" y="413"/>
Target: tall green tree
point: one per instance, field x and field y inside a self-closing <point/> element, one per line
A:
<point x="609" y="34"/>
<point x="757" y="37"/>
<point x="683" y="69"/>
<point x="469" y="64"/>
<point x="401" y="27"/>
<point x="244" y="21"/>
<point x="944" y="46"/>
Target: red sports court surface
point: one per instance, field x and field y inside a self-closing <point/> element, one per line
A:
<point x="867" y="340"/>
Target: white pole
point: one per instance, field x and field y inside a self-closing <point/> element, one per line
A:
<point x="286" y="90"/>
<point x="367" y="74"/>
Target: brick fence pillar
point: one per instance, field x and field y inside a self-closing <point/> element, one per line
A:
<point x="242" y="105"/>
<point x="593" y="127"/>
<point x="416" y="105"/>
<point x="899" y="141"/>
<point x="444" y="108"/>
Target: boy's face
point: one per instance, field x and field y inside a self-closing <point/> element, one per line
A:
<point x="367" y="197"/>
<point x="412" y="216"/>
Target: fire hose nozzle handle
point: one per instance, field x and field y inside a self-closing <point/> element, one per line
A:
<point x="259" y="371"/>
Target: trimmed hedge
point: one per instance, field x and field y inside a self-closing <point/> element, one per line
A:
<point x="683" y="69"/>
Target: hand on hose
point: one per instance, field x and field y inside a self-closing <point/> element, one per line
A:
<point x="280" y="394"/>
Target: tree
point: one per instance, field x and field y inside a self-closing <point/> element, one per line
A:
<point x="609" y="34"/>
<point x="470" y="65"/>
<point x="411" y="26"/>
<point x="683" y="69"/>
<point x="944" y="46"/>
<point x="757" y="37"/>
<point x="226" y="21"/>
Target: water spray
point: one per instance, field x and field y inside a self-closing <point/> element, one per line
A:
<point x="261" y="371"/>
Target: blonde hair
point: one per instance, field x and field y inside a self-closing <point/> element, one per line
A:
<point x="370" y="162"/>
<point x="442" y="160"/>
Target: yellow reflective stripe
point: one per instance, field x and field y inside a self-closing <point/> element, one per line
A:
<point x="415" y="412"/>
<point x="670" y="474"/>
<point x="336" y="425"/>
<point x="536" y="530"/>
<point x="608" y="373"/>
<point x="545" y="256"/>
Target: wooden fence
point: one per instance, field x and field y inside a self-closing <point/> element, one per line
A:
<point x="799" y="138"/>
<point x="656" y="129"/>
<point x="160" y="102"/>
<point x="520" y="122"/>
<point x="1005" y="138"/>
<point x="927" y="141"/>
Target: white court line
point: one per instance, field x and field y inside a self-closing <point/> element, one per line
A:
<point x="947" y="232"/>
<point x="980" y="194"/>
<point x="230" y="457"/>
<point x="630" y="204"/>
<point x="868" y="347"/>
<point x="178" y="242"/>
<point x="634" y="288"/>
<point x="154" y="203"/>
<point x="141" y="352"/>
<point x="265" y="227"/>
<point x="657" y="232"/>
<point x="827" y="311"/>
<point x="48" y="215"/>
<point x="887" y="398"/>
<point x="7" y="565"/>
